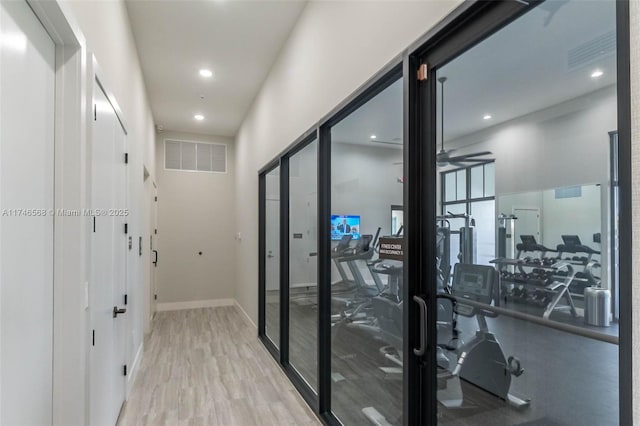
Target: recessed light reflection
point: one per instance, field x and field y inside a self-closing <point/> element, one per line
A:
<point x="206" y="73"/>
<point x="199" y="117"/>
<point x="487" y="117"/>
<point x="373" y="136"/>
<point x="597" y="73"/>
<point x="14" y="41"/>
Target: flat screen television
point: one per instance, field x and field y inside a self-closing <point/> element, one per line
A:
<point x="345" y="225"/>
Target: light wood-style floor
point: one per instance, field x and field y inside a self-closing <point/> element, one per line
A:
<point x="206" y="367"/>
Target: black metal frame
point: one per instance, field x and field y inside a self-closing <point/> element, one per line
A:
<point x="268" y="343"/>
<point x="466" y="26"/>
<point x="625" y="363"/>
<point x="392" y="73"/>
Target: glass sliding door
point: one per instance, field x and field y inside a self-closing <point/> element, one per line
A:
<point x="522" y="284"/>
<point x="272" y="256"/>
<point x="303" y="265"/>
<point x="367" y="262"/>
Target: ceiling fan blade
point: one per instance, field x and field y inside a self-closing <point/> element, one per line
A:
<point x="464" y="159"/>
<point x="476" y="154"/>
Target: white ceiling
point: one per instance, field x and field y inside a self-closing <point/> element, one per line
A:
<point x="519" y="70"/>
<point x="238" y="40"/>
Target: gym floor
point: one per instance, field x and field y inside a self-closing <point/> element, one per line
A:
<point x="570" y="380"/>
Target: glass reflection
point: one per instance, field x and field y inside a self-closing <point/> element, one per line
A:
<point x="524" y="217"/>
<point x="366" y="282"/>
<point x="303" y="246"/>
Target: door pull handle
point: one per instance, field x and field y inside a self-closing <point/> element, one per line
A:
<point x="117" y="311"/>
<point x="423" y="326"/>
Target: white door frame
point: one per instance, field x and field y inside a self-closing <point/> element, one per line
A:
<point x="537" y="209"/>
<point x="70" y="233"/>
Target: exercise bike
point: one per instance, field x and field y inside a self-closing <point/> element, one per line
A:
<point x="480" y="361"/>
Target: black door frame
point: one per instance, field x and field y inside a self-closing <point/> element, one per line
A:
<point x="262" y="251"/>
<point x="471" y="26"/>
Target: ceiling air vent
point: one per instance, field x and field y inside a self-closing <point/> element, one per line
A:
<point x="592" y="51"/>
<point x="195" y="156"/>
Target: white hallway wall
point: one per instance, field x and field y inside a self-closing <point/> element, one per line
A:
<point x="334" y="48"/>
<point x="106" y="29"/>
<point x="195" y="213"/>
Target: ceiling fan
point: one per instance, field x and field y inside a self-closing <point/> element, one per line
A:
<point x="444" y="157"/>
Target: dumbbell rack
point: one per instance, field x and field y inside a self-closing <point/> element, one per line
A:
<point x="554" y="283"/>
<point x="581" y="280"/>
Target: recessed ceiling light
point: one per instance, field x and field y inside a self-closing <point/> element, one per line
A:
<point x="487" y="117"/>
<point x="206" y="73"/>
<point x="373" y="136"/>
<point x="597" y="73"/>
<point x="199" y="117"/>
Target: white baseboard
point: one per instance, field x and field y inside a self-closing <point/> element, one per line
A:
<point x="246" y="315"/>
<point x="193" y="304"/>
<point x="133" y="372"/>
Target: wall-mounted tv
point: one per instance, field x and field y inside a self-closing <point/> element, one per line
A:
<point x="345" y="225"/>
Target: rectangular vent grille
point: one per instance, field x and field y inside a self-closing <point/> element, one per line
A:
<point x="593" y="50"/>
<point x="195" y="156"/>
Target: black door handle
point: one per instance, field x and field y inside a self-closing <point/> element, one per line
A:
<point x="117" y="311"/>
<point x="423" y="326"/>
<point x="155" y="262"/>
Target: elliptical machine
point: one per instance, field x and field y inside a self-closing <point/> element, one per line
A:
<point x="481" y="361"/>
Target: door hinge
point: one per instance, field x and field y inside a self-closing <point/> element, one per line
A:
<point x="95" y="112"/>
<point x="125" y="299"/>
<point x="155" y="297"/>
<point x="423" y="72"/>
<point x="155" y="231"/>
<point x="124" y="370"/>
<point x="93" y="338"/>
<point x="94" y="224"/>
<point x="126" y="228"/>
<point x="156" y="198"/>
<point x="126" y="158"/>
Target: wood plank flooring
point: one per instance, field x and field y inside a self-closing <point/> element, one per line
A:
<point x="207" y="367"/>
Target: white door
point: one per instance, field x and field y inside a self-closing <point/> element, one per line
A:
<point x="109" y="246"/>
<point x="154" y="250"/>
<point x="27" y="83"/>
<point x="528" y="223"/>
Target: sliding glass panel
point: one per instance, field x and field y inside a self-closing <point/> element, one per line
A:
<point x="367" y="266"/>
<point x="303" y="264"/>
<point x="527" y="338"/>
<point x="272" y="256"/>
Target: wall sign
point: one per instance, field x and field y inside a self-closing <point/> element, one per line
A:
<point x="392" y="248"/>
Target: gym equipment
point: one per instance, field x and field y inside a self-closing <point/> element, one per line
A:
<point x="481" y="361"/>
<point x="530" y="245"/>
<point x="336" y="253"/>
<point x="523" y="286"/>
<point x="467" y="253"/>
<point x="506" y="231"/>
<point x="356" y="298"/>
<point x="573" y="245"/>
